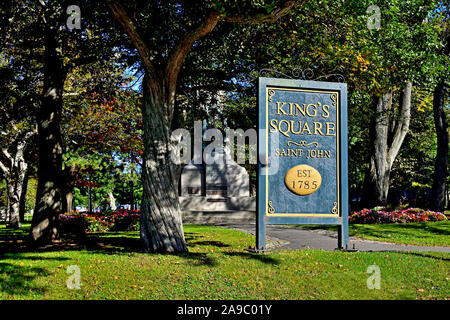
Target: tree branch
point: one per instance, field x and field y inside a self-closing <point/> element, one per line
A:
<point x="273" y="16"/>
<point x="180" y="51"/>
<point x="4" y="169"/>
<point x="6" y="154"/>
<point x="80" y="62"/>
<point x="120" y="15"/>
<point x="402" y="123"/>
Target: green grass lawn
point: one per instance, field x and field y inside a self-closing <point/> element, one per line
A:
<point x="216" y="267"/>
<point x="421" y="234"/>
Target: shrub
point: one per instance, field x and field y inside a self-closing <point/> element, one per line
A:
<point x="82" y="223"/>
<point x="125" y="221"/>
<point x="380" y="215"/>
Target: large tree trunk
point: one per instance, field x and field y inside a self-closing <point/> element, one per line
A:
<point x="133" y="206"/>
<point x="23" y="197"/>
<point x="14" y="171"/>
<point x="14" y="191"/>
<point x="14" y="185"/>
<point x="112" y="201"/>
<point x="385" y="145"/>
<point x="44" y="228"/>
<point x="70" y="175"/>
<point x="376" y="182"/>
<point x="161" y="225"/>
<point x="68" y="202"/>
<point x="440" y="164"/>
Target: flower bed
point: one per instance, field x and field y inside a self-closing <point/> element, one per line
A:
<point x="81" y="223"/>
<point x="380" y="215"/>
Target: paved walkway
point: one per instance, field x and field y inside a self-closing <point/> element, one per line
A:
<point x="287" y="237"/>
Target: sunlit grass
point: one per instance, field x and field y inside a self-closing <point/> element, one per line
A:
<point x="217" y="267"/>
<point x="421" y="234"/>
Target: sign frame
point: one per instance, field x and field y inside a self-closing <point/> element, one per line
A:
<point x="265" y="214"/>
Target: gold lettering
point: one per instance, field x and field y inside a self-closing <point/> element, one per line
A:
<point x="273" y="124"/>
<point x="280" y="108"/>
<point x="314" y="108"/>
<point x="330" y="129"/>
<point x="325" y="109"/>
<point x="299" y="128"/>
<point x="277" y="152"/>
<point x="285" y="133"/>
<point x="306" y="127"/>
<point x="317" y="127"/>
<point x="299" y="108"/>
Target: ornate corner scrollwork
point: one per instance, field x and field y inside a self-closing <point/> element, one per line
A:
<point x="334" y="210"/>
<point x="270" y="93"/>
<point x="334" y="98"/>
<point x="270" y="208"/>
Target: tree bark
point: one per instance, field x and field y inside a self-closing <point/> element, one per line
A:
<point x="440" y="164"/>
<point x="69" y="201"/>
<point x="112" y="201"/>
<point x="44" y="228"/>
<point x="14" y="185"/>
<point x="384" y="147"/>
<point x="23" y="197"/>
<point x="161" y="225"/>
<point x="70" y="175"/>
<point x="133" y="207"/>
<point x="14" y="170"/>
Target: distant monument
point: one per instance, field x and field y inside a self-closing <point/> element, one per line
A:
<point x="219" y="185"/>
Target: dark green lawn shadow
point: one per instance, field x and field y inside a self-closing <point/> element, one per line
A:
<point x="17" y="280"/>
<point x="109" y="243"/>
<point x="21" y="257"/>
<point x="255" y="256"/>
<point x="189" y="236"/>
<point x="198" y="259"/>
<point x="13" y="235"/>
<point x="212" y="243"/>
<point x="119" y="242"/>
<point x="436" y="255"/>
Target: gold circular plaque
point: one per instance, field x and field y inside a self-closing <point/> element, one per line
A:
<point x="303" y="180"/>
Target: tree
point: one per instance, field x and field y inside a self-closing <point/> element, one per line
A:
<point x="383" y="153"/>
<point x="102" y="131"/>
<point x="17" y="124"/>
<point x="101" y="117"/>
<point x="42" y="33"/>
<point x="400" y="52"/>
<point x="380" y="67"/>
<point x="441" y="125"/>
<point x="161" y="226"/>
<point x="14" y="167"/>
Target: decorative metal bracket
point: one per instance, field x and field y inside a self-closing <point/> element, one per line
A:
<point x="305" y="74"/>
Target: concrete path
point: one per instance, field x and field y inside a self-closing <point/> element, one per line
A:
<point x="286" y="237"/>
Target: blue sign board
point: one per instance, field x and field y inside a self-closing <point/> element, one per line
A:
<point x="302" y="146"/>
